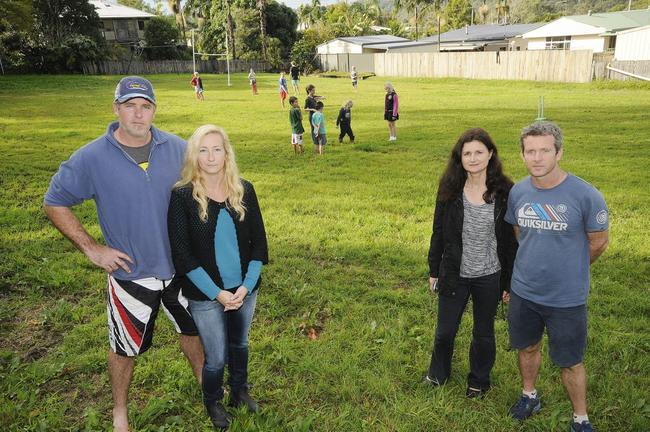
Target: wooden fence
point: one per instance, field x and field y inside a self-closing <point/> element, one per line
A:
<point x="561" y="66"/>
<point x="638" y="67"/>
<point x="144" y="67"/>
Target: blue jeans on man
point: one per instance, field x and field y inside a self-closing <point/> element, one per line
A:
<point x="225" y="340"/>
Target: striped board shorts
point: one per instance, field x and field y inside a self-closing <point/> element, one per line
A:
<point x="132" y="307"/>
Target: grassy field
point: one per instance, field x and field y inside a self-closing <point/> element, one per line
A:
<point x="348" y="236"/>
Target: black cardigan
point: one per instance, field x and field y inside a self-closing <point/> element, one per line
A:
<point x="192" y="240"/>
<point x="446" y="248"/>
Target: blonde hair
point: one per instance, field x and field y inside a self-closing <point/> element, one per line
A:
<point x="191" y="173"/>
<point x="389" y="86"/>
<point x="347" y="104"/>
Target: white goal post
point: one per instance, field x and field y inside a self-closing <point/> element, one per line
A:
<point x="226" y="55"/>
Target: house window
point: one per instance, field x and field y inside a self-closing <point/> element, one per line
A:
<point x="611" y="45"/>
<point x="141" y="25"/>
<point x="558" y="43"/>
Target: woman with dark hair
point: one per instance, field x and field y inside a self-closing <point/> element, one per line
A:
<point x="471" y="254"/>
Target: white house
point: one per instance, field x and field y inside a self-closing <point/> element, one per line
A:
<point x="357" y="44"/>
<point x="482" y="37"/>
<point x="594" y="31"/>
<point x="120" y="23"/>
<point x="633" y="44"/>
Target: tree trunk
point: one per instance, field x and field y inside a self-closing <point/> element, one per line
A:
<point x="261" y="6"/>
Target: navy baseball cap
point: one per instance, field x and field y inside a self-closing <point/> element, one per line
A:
<point x="134" y="87"/>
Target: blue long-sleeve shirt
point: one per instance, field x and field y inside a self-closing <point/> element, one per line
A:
<point x="228" y="261"/>
<point x="131" y="203"/>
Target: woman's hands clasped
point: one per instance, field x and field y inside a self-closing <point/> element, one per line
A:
<point x="232" y="301"/>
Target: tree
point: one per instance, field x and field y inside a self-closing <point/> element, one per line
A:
<point x="177" y="9"/>
<point x="61" y="29"/>
<point x="162" y="38"/>
<point x="458" y="13"/>
<point x="58" y="19"/>
<point x="138" y="4"/>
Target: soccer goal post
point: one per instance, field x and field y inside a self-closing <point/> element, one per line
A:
<point x="226" y="55"/>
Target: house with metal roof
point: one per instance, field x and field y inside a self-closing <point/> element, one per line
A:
<point x="119" y="23"/>
<point x="483" y="37"/>
<point x="594" y="31"/>
<point x="357" y="44"/>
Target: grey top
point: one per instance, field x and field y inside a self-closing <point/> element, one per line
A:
<point x="138" y="154"/>
<point x="552" y="264"/>
<point x="479" y="241"/>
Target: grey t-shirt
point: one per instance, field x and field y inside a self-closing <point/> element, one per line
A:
<point x="139" y="154"/>
<point x="479" y="256"/>
<point x="552" y="264"/>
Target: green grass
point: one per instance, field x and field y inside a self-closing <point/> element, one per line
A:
<point x="348" y="236"/>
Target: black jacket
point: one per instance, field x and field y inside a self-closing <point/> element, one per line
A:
<point x="446" y="248"/>
<point x="344" y="118"/>
<point x="192" y="240"/>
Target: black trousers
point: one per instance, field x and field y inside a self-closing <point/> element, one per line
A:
<point x="486" y="293"/>
<point x="346" y="129"/>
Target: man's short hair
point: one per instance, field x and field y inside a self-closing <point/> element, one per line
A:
<point x="543" y="128"/>
<point x="292" y="99"/>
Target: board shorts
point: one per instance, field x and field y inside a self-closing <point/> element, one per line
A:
<point x="296" y="139"/>
<point x="566" y="328"/>
<point x="198" y="89"/>
<point x="295" y="82"/>
<point x="283" y="94"/>
<point x="132" y="308"/>
<point x="321" y="139"/>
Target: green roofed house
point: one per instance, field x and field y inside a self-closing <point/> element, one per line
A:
<point x="594" y="31"/>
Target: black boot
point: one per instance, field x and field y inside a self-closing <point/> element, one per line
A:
<point x="218" y="415"/>
<point x="240" y="397"/>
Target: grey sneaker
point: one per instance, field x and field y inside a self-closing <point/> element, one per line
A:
<point x="525" y="407"/>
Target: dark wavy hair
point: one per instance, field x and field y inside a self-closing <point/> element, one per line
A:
<point x="453" y="180"/>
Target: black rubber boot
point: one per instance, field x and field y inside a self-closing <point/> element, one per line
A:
<point x="218" y="415"/>
<point x="240" y="397"/>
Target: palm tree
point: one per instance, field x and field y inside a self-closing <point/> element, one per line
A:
<point x="484" y="11"/>
<point x="502" y="9"/>
<point x="177" y="9"/>
<point x="261" y="7"/>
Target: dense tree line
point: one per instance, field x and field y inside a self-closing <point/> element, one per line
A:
<point x="58" y="35"/>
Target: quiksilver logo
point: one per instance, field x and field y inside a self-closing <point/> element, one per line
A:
<point x="543" y="216"/>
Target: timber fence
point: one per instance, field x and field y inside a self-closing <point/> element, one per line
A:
<point x="561" y="66"/>
<point x="142" y="67"/>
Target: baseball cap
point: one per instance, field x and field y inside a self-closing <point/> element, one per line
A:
<point x="134" y="87"/>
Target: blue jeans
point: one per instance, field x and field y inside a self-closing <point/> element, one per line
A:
<point x="225" y="339"/>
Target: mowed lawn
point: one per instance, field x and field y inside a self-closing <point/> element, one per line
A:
<point x="348" y="236"/>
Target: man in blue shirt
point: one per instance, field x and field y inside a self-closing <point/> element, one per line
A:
<point x="129" y="173"/>
<point x="561" y="223"/>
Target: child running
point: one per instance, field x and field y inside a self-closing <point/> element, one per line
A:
<point x="283" y="88"/>
<point x="344" y="120"/>
<point x="295" y="118"/>
<point x="318" y="122"/>
<point x="197" y="82"/>
<point x="252" y="79"/>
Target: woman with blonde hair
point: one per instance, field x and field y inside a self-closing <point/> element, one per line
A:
<point x="391" y="107"/>
<point x="218" y="246"/>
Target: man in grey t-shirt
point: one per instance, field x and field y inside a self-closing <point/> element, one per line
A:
<point x="561" y="223"/>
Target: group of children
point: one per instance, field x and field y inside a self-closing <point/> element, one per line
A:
<point x="314" y="105"/>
